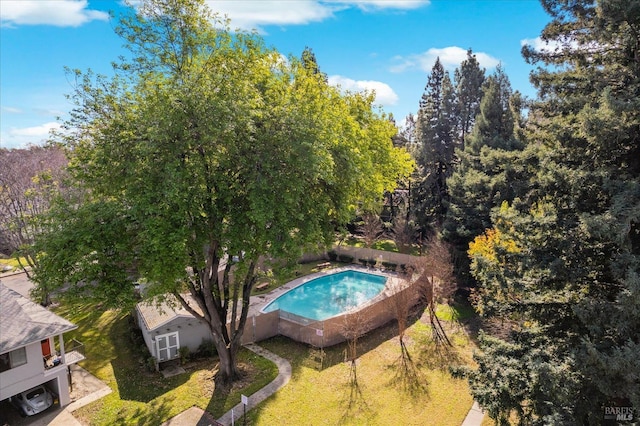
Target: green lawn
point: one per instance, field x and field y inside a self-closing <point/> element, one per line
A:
<point x="12" y="262"/>
<point x="323" y="394"/>
<point x="319" y="393"/>
<point x="139" y="396"/>
<point x="382" y="244"/>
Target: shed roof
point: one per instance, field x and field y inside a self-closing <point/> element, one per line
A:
<point x="155" y="314"/>
<point x="23" y="322"/>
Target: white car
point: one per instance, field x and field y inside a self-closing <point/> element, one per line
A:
<point x="32" y="401"/>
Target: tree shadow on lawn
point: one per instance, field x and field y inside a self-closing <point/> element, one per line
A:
<point x="433" y="354"/>
<point x="152" y="415"/>
<point x="407" y="375"/>
<point x="355" y="404"/>
<point x="135" y="382"/>
<point x="336" y="354"/>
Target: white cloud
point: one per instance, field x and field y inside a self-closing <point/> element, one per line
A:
<point x="450" y="57"/>
<point x="61" y="13"/>
<point x="254" y="14"/>
<point x="11" y="110"/>
<point x="541" y="45"/>
<point x="36" y="131"/>
<point x="22" y="137"/>
<point x="384" y="93"/>
<point x="371" y="5"/>
<point x="563" y="45"/>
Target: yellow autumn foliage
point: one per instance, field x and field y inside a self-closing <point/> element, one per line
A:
<point x="490" y="243"/>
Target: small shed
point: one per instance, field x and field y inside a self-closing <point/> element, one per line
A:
<point x="167" y="326"/>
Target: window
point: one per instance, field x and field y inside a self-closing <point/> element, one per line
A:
<point x="13" y="359"/>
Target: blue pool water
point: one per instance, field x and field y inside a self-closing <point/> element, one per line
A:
<point x="329" y="295"/>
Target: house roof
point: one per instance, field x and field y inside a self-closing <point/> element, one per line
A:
<point x="23" y="322"/>
<point x="155" y="313"/>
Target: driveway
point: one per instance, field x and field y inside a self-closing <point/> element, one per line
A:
<point x="17" y="282"/>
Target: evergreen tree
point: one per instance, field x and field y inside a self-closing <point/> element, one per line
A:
<point x="562" y="264"/>
<point x="488" y="171"/>
<point x="468" y="80"/>
<point x="435" y="134"/>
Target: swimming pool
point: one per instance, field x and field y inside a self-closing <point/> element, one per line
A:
<point x="329" y="295"/>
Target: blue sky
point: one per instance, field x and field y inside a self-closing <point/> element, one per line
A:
<point x="385" y="45"/>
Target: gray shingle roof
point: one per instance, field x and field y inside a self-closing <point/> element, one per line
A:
<point x="23" y="322"/>
<point x="156" y="313"/>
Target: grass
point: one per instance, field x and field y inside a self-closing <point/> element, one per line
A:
<point x="12" y="262"/>
<point x="382" y="244"/>
<point x="142" y="397"/>
<point x="457" y="312"/>
<point x="321" y="394"/>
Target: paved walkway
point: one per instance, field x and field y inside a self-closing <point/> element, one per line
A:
<point x="474" y="416"/>
<point x="284" y="374"/>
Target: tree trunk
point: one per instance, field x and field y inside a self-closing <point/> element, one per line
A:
<point x="227" y="369"/>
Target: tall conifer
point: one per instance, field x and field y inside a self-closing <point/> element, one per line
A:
<point x="435" y="134"/>
<point x="562" y="264"/>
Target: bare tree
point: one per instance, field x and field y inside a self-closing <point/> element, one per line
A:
<point x="353" y="327"/>
<point x="404" y="231"/>
<point x="371" y="228"/>
<point x="399" y="304"/>
<point x="436" y="283"/>
<point x="29" y="181"/>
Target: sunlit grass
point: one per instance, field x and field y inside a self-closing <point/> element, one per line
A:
<point x="11" y="262"/>
<point x="318" y="396"/>
<point x="142" y="397"/>
<point x="456" y="312"/>
<point x="382" y="244"/>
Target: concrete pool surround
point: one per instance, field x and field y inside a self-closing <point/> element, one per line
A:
<point x="329" y="295"/>
<point x="322" y="333"/>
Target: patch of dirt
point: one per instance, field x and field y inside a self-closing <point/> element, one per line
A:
<point x="206" y="369"/>
<point x="247" y="374"/>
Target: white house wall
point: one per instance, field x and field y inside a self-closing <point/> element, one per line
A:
<point x="32" y="374"/>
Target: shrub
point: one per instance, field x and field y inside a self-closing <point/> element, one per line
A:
<point x="206" y="349"/>
<point x="363" y="261"/>
<point x="332" y="255"/>
<point x="184" y="354"/>
<point x="345" y="258"/>
<point x="389" y="265"/>
<point x="151" y="364"/>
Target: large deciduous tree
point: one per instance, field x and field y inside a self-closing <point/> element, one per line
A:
<point x="29" y="181"/>
<point x="562" y="264"/>
<point x="211" y="152"/>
